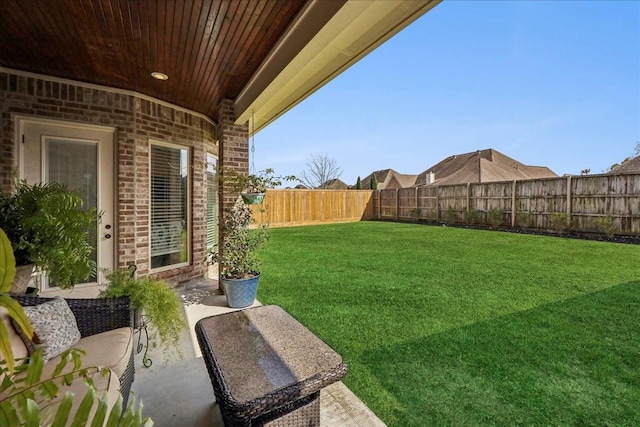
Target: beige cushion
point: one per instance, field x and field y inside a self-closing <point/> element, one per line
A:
<point x="55" y="328"/>
<point x="111" y="349"/>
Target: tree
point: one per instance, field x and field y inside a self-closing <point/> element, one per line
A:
<point x="374" y="182"/>
<point x="358" y="184"/>
<point x="321" y="169"/>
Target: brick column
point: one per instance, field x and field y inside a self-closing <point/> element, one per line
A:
<point x="233" y="153"/>
<point x="233" y="149"/>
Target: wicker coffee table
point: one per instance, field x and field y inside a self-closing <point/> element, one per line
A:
<point x="266" y="368"/>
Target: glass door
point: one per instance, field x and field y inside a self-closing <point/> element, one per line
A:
<point x="81" y="157"/>
<point x="75" y="164"/>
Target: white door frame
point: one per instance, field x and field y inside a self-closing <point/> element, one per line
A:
<point x="107" y="246"/>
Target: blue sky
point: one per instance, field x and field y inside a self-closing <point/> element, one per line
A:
<point x="549" y="83"/>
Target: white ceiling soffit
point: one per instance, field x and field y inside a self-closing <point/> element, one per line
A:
<point x="357" y="28"/>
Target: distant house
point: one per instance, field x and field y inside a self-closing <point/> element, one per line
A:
<point x="388" y="179"/>
<point x="480" y="166"/>
<point x="334" y="184"/>
<point x="631" y="165"/>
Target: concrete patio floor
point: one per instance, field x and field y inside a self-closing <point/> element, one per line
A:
<point x="176" y="391"/>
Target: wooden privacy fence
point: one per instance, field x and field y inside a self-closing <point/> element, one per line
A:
<point x="586" y="203"/>
<point x="300" y="207"/>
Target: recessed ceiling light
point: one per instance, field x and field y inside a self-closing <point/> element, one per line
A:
<point x="158" y="75"/>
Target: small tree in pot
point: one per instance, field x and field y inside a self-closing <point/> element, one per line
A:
<point x="48" y="228"/>
<point x="237" y="258"/>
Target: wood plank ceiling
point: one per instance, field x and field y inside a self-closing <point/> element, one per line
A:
<point x="208" y="48"/>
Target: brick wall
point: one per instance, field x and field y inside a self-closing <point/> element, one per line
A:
<point x="138" y="120"/>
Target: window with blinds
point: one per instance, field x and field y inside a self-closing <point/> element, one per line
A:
<point x="212" y="201"/>
<point x="169" y="205"/>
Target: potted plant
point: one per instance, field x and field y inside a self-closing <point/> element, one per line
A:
<point x="48" y="229"/>
<point x="154" y="298"/>
<point x="253" y="187"/>
<point x="236" y="256"/>
<point x="238" y="262"/>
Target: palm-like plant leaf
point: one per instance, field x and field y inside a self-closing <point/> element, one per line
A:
<point x="16" y="312"/>
<point x="30" y="400"/>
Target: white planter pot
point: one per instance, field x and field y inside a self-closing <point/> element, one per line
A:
<point x="22" y="280"/>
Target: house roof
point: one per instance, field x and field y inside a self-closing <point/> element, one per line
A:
<point x="631" y="165"/>
<point x="265" y="55"/>
<point x="481" y="166"/>
<point x="388" y="178"/>
<point x="335" y="184"/>
<point x="381" y="177"/>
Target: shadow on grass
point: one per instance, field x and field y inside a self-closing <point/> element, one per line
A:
<point x="573" y="362"/>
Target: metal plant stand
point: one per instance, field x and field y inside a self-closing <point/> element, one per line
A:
<point x="142" y="328"/>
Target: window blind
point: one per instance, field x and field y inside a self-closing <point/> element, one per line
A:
<point x="169" y="180"/>
<point x="212" y="201"/>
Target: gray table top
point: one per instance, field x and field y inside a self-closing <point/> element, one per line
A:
<point x="262" y="349"/>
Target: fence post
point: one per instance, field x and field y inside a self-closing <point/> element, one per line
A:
<point x="344" y="204"/>
<point x="468" y="199"/>
<point x="437" y="203"/>
<point x="569" y="201"/>
<point x="376" y="203"/>
<point x="513" y="205"/>
<point x="417" y="208"/>
<point x="397" y="203"/>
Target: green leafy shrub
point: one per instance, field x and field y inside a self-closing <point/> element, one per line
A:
<point x="523" y="220"/>
<point x="472" y="216"/>
<point x="559" y="221"/>
<point x="48" y="227"/>
<point x="606" y="224"/>
<point x="451" y="215"/>
<point x="238" y="257"/>
<point x="237" y="254"/>
<point x="153" y="296"/>
<point x="495" y="217"/>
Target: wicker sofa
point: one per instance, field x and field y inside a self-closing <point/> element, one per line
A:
<point x="106" y="333"/>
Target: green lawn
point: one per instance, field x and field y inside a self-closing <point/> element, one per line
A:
<point x="449" y="326"/>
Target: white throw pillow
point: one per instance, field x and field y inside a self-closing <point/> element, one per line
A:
<point x="55" y="328"/>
